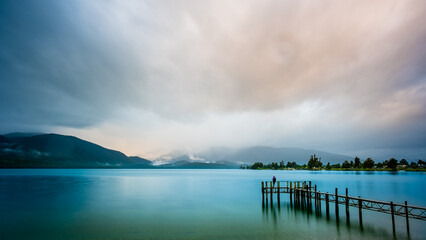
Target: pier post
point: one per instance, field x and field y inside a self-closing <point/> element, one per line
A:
<point x="296" y="198"/>
<point x="310" y="197"/>
<point x="272" y="186"/>
<point x="278" y="193"/>
<point x="360" y="210"/>
<point x="393" y="218"/>
<point x="315" y="194"/>
<point x="263" y="193"/>
<point x="347" y="205"/>
<point x="319" y="201"/>
<point x="337" y="204"/>
<point x="266" y="192"/>
<point x="291" y="193"/>
<point x="305" y="194"/>
<point x="327" y="208"/>
<point x="406" y="218"/>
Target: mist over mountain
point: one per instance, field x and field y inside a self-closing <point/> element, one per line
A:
<point x="251" y="155"/>
<point x="21" y="150"/>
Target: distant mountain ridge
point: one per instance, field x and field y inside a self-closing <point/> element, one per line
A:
<point x="251" y="155"/>
<point x="33" y="150"/>
<point x="59" y="151"/>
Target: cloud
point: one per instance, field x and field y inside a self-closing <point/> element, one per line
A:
<point x="192" y="74"/>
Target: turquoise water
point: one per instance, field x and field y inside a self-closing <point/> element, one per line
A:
<point x="193" y="204"/>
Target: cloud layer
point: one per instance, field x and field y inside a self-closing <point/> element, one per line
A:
<point x="152" y="76"/>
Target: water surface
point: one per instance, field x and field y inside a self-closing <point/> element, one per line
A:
<point x="193" y="204"/>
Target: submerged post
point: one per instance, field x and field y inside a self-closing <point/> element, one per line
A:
<point x="393" y="218"/>
<point x="272" y="186"/>
<point x="406" y="218"/>
<point x="263" y="193"/>
<point x="291" y="192"/>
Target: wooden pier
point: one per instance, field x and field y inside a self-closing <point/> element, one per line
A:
<point x="302" y="193"/>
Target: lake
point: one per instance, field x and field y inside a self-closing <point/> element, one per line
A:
<point x="193" y="204"/>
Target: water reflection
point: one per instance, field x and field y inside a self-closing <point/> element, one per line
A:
<point x="312" y="215"/>
<point x="189" y="204"/>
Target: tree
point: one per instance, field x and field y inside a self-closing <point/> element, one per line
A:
<point x="282" y="165"/>
<point x="328" y="166"/>
<point x="403" y="162"/>
<point x="257" y="165"/>
<point x="314" y="162"/>
<point x="368" y="163"/>
<point x="413" y="165"/>
<point x="392" y="163"/>
<point x="346" y="164"/>
<point x="336" y="165"/>
<point x="379" y="165"/>
<point x="357" y="162"/>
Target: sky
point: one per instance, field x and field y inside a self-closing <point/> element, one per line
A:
<point x="150" y="77"/>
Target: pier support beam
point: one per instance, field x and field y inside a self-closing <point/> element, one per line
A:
<point x="263" y="193"/>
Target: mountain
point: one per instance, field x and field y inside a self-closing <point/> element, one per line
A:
<point x="199" y="165"/>
<point x="59" y="151"/>
<point x="20" y="134"/>
<point x="263" y="154"/>
<point x="3" y="139"/>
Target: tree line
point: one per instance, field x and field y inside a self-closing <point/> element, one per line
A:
<point x="315" y="163"/>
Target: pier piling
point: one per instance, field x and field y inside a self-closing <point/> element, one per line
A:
<point x="278" y="193"/>
<point x="337" y="204"/>
<point x="327" y="208"/>
<point x="347" y="205"/>
<point x="393" y="217"/>
<point x="360" y="210"/>
<point x="406" y="218"/>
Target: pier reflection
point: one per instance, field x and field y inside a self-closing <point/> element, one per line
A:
<point x="307" y="214"/>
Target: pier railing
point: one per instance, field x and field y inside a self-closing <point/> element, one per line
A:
<point x="303" y="193"/>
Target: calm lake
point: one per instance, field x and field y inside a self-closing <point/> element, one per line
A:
<point x="193" y="204"/>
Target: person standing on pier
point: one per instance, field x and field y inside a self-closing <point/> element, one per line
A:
<point x="274" y="180"/>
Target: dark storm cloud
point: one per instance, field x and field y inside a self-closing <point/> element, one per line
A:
<point x="54" y="70"/>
